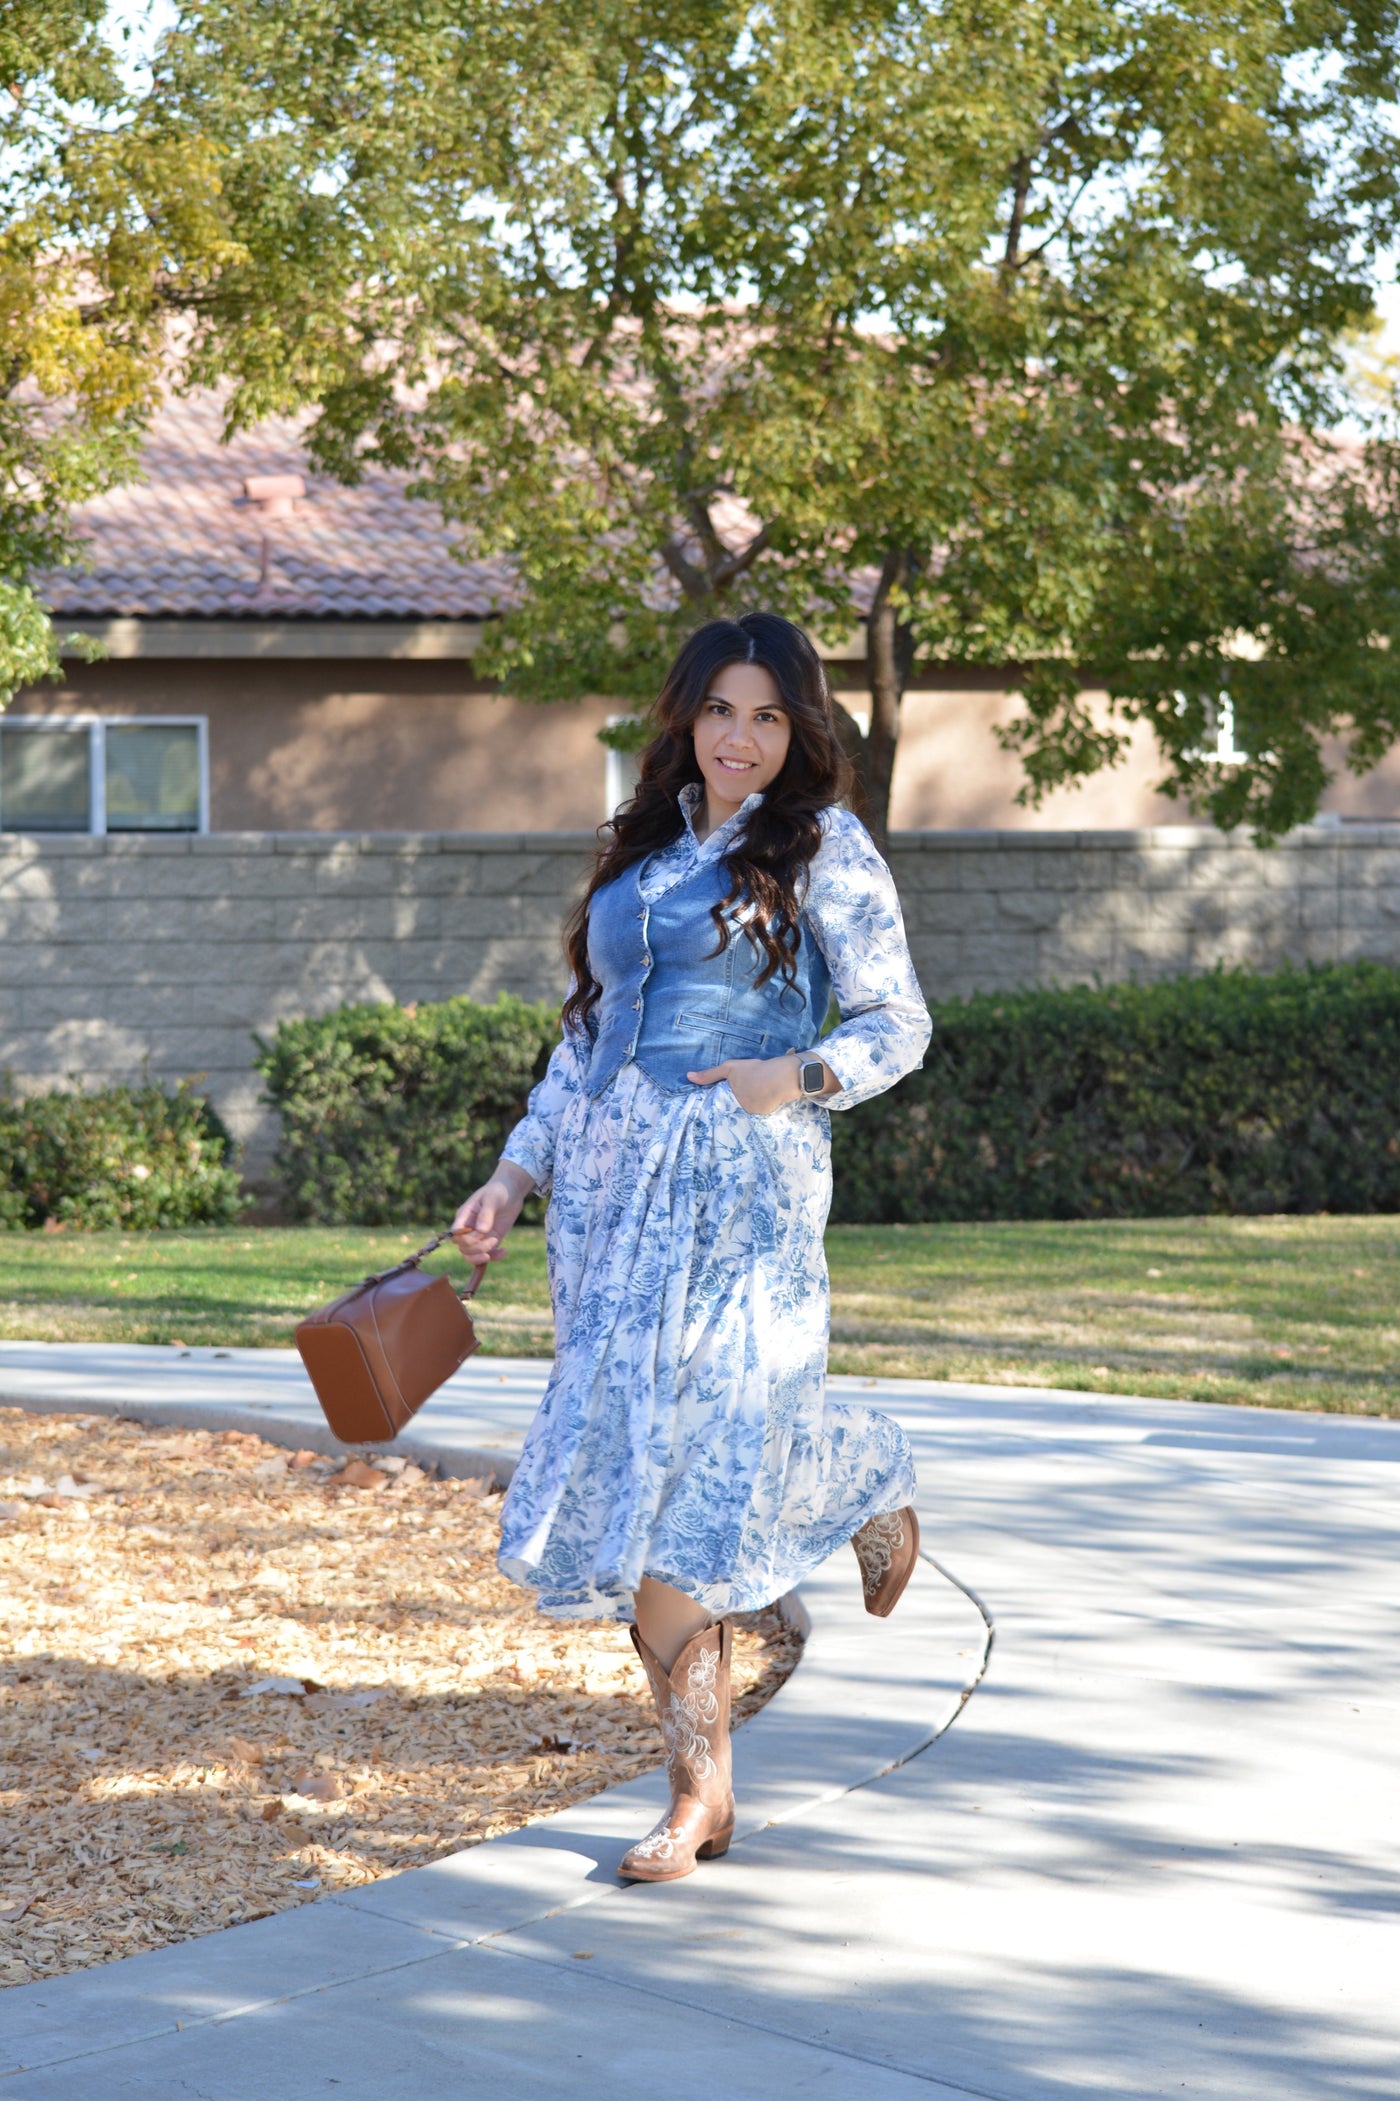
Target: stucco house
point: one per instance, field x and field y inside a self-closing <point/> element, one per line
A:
<point x="285" y="787"/>
<point x="286" y="654"/>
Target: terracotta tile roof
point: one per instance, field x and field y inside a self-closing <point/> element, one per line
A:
<point x="187" y="542"/>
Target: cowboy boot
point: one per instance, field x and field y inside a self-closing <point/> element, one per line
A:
<point x="887" y="1548"/>
<point x="693" y="1704"/>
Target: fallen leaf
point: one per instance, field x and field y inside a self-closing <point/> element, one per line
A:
<point x="67" y="1505"/>
<point x="65" y="1485"/>
<point x="355" y="1474"/>
<point x="292" y="1686"/>
<point x="247" y="1753"/>
<point x="270" y="1811"/>
<point x="10" y="1912"/>
<point x="319" y="1786"/>
<point x="334" y="1702"/>
<point x="301" y="1460"/>
<point x="9" y="1510"/>
<point x="312" y="1882"/>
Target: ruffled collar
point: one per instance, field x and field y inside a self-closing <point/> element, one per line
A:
<point x="690" y="799"/>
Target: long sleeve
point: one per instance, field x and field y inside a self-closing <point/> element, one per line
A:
<point x="531" y="1144"/>
<point x="852" y="908"/>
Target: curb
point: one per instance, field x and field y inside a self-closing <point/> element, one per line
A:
<point x="865" y="1699"/>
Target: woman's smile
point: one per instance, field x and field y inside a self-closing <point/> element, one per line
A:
<point x="742" y="734"/>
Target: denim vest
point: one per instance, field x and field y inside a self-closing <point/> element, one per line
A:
<point x="674" y="1007"/>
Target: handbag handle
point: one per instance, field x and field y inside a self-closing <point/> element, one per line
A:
<point x="412" y="1262"/>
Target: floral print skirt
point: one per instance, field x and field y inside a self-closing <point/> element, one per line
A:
<point x="686" y="1432"/>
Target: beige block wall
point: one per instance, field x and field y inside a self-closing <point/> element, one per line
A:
<point x="133" y="953"/>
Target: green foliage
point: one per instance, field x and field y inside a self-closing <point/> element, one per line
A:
<point x="1226" y="1093"/>
<point x="395" y="1114"/>
<point x="1031" y="313"/>
<point x="135" y="1157"/>
<point x="109" y="219"/>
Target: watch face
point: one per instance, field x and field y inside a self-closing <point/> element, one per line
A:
<point x="811" y="1076"/>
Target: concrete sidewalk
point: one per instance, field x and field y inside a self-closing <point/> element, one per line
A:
<point x="474" y="1425"/>
<point x="1157" y="1853"/>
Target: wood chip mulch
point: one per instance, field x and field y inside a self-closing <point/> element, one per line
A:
<point x="234" y="1677"/>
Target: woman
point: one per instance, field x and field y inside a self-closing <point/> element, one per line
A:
<point x="686" y="1462"/>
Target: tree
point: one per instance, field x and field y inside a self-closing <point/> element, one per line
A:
<point x="106" y="218"/>
<point x="1023" y="324"/>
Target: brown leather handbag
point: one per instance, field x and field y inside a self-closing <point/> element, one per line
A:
<point x="375" y="1355"/>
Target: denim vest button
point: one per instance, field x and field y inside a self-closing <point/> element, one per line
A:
<point x="694" y="996"/>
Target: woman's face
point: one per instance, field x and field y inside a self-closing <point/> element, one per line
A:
<point x="742" y="734"/>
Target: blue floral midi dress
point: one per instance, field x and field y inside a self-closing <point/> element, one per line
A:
<point x="686" y="1432"/>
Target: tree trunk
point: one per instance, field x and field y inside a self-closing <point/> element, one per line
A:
<point x="889" y="656"/>
<point x="857" y="749"/>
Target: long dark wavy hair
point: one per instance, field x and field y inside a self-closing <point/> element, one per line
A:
<point x="769" y="859"/>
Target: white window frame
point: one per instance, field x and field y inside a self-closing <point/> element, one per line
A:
<point x="97" y="727"/>
<point x="1221" y="749"/>
<point x="619" y="774"/>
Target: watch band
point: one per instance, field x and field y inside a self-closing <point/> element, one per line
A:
<point x="811" y="1076"/>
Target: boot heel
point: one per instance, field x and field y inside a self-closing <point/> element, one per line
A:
<point x="714" y="1847"/>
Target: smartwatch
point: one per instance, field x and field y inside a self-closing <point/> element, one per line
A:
<point x="811" y="1076"/>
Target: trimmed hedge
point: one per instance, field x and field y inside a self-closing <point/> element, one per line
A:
<point x="392" y="1115"/>
<point x="1226" y="1093"/>
<point x="134" y="1157"/>
<point x="1231" y="1092"/>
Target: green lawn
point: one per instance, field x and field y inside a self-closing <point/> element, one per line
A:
<point x="1295" y="1312"/>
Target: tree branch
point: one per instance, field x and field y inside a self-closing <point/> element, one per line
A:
<point x="692" y="581"/>
<point x="889" y="651"/>
<point x="743" y="559"/>
<point x="698" y="512"/>
<point x="1021" y="174"/>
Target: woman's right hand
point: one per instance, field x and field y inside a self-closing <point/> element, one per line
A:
<point x="489" y="1213"/>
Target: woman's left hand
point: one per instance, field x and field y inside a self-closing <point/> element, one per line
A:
<point x="759" y="1085"/>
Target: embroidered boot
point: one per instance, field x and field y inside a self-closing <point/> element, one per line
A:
<point x="693" y="1704"/>
<point x="886" y="1548"/>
